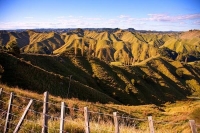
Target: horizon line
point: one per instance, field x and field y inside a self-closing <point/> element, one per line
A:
<point x="95" y="28"/>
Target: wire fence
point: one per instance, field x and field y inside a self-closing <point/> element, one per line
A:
<point x="72" y="119"/>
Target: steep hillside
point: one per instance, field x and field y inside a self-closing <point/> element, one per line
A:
<point x="18" y="72"/>
<point x="156" y="81"/>
<point x="43" y="43"/>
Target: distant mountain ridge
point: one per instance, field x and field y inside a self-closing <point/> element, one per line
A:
<point x="108" y="44"/>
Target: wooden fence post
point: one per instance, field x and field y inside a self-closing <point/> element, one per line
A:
<point x="23" y="116"/>
<point x="62" y="117"/>
<point x="1" y="91"/>
<point x="1" y="104"/>
<point x="6" y="128"/>
<point x="193" y="126"/>
<point x="99" y="117"/>
<point x="116" y="123"/>
<point x="45" y="111"/>
<point x="150" y="120"/>
<point x="86" y="115"/>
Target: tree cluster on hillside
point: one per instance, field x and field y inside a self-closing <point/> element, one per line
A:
<point x="179" y="72"/>
<point x="11" y="47"/>
<point x="166" y="52"/>
<point x="184" y="57"/>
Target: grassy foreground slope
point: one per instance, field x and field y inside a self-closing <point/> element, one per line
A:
<point x="157" y="81"/>
<point x="169" y="117"/>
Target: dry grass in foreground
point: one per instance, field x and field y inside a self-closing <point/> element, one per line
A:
<point x="168" y="118"/>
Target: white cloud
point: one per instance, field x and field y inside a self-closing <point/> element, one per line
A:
<point x="27" y="25"/>
<point x="190" y="16"/>
<point x="197" y="22"/>
<point x="94" y="19"/>
<point x="182" y="23"/>
<point x="159" y="17"/>
<point x="28" y="17"/>
<point x="164" y="17"/>
<point x="151" y="22"/>
<point x="61" y="17"/>
<point x="124" y="16"/>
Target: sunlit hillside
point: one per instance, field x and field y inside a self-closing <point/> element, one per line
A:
<point x="109" y="45"/>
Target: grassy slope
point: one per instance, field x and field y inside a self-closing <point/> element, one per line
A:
<point x="19" y="72"/>
<point x="94" y="80"/>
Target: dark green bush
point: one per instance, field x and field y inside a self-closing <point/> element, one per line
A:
<point x="13" y="48"/>
<point x="179" y="72"/>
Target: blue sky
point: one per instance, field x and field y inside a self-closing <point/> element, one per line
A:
<point x="160" y="15"/>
